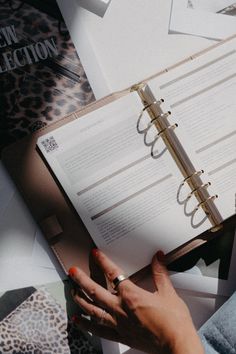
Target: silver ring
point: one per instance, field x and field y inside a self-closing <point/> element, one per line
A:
<point x="102" y="317"/>
<point x="115" y="283"/>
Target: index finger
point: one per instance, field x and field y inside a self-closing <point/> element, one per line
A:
<point x="110" y="269"/>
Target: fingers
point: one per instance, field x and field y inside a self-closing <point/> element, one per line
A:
<point x="96" y="272"/>
<point x="160" y="274"/>
<point x="97" y="329"/>
<point x="111" y="270"/>
<point x="100" y="315"/>
<point x="94" y="291"/>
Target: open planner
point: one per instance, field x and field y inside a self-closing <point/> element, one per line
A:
<point x="152" y="167"/>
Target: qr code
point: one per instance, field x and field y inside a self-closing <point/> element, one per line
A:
<point x="50" y="144"/>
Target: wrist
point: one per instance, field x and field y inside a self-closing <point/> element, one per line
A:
<point x="189" y="343"/>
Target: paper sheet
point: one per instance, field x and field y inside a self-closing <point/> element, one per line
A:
<point x="16" y="229"/>
<point x="201" y="283"/>
<point x="123" y="193"/>
<point x="98" y="7"/>
<point x="199" y="22"/>
<point x="209" y="5"/>
<point x="201" y="96"/>
<point x="25" y="257"/>
<point x="7" y="190"/>
<point x="12" y="277"/>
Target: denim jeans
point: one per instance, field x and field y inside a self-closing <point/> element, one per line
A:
<point x="218" y="334"/>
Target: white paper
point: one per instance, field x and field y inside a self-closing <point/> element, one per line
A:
<point x="42" y="255"/>
<point x="98" y="7"/>
<point x="25" y="257"/>
<point x="7" y="190"/>
<point x="196" y="281"/>
<point x="209" y="5"/>
<point x="20" y="276"/>
<point x="201" y="95"/>
<point x="124" y="196"/>
<point x="199" y="22"/>
<point x="17" y="230"/>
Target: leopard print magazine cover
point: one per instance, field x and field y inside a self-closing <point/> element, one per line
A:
<point x="40" y="89"/>
<point x="39" y="325"/>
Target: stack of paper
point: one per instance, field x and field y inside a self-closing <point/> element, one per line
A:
<point x="205" y="18"/>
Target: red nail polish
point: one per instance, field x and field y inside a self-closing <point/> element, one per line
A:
<point x="74" y="318"/>
<point x="72" y="271"/>
<point x="160" y="256"/>
<point x="95" y="252"/>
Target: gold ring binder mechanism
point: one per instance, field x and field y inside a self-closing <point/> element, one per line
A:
<point x="159" y="118"/>
<point x="204" y="185"/>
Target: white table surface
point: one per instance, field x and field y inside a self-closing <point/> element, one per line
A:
<point x="131" y="42"/>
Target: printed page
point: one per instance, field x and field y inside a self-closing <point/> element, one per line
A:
<point x="126" y="197"/>
<point x="201" y="96"/>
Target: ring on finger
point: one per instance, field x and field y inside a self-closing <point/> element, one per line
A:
<point x="102" y="317"/>
<point x="116" y="282"/>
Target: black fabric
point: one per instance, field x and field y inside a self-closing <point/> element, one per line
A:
<point x="49" y="7"/>
<point x="12" y="299"/>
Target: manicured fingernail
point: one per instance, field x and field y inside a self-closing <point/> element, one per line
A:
<point x="95" y="252"/>
<point x="72" y="271"/>
<point x="74" y="318"/>
<point x="160" y="256"/>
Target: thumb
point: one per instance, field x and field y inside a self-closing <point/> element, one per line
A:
<point x="160" y="274"/>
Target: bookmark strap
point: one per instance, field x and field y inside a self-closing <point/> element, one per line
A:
<point x="51" y="227"/>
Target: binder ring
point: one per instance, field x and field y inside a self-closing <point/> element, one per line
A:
<point x="149" y="126"/>
<point x="204" y="185"/>
<point x="145" y="131"/>
<point x="162" y="115"/>
<point x="196" y="173"/>
<point x="212" y="197"/>
<point x="171" y="127"/>
<point x="159" y="102"/>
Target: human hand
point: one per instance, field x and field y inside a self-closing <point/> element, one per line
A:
<point x="156" y="322"/>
